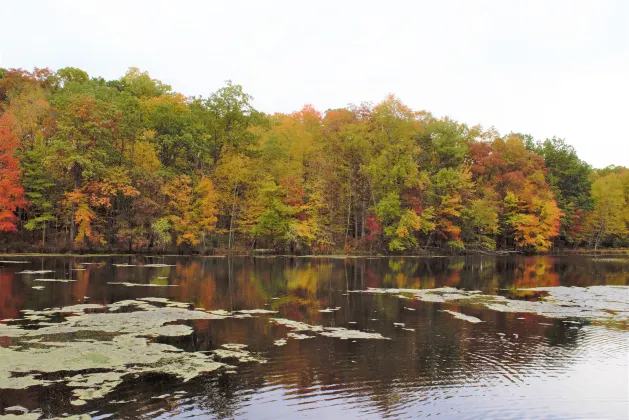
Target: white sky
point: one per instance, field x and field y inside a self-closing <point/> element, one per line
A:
<point x="547" y="68"/>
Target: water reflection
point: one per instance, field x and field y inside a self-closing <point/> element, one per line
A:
<point x="437" y="365"/>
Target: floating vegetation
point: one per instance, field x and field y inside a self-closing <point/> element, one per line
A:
<point x="334" y="332"/>
<point x="243" y="356"/>
<point x="234" y="346"/>
<point x="280" y="342"/>
<point x="35" y="272"/>
<point x="124" y="350"/>
<point x="611" y="260"/>
<point x="256" y="311"/>
<point x="16" y="409"/>
<point x="345" y="334"/>
<point x="56" y="280"/>
<point x="329" y="310"/>
<point x="125" y="283"/>
<point x="92" y="386"/>
<point x="220" y="312"/>
<point x="296" y="325"/>
<point x="601" y="302"/>
<point x="297" y="336"/>
<point x="24" y="416"/>
<point x="463" y="317"/>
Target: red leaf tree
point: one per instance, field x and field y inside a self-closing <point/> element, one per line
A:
<point x="11" y="191"/>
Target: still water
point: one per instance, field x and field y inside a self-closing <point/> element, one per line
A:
<point x="219" y="342"/>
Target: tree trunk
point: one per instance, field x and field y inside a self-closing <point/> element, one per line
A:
<point x="230" y="241"/>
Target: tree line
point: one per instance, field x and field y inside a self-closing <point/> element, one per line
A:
<point x="130" y="165"/>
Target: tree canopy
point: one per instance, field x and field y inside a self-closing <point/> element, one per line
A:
<point x="130" y="164"/>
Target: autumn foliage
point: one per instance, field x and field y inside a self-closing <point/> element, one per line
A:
<point x="11" y="190"/>
<point x="129" y="164"/>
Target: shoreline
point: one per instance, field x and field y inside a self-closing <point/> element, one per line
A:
<point x="583" y="252"/>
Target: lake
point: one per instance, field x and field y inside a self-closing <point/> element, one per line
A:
<point x="315" y="337"/>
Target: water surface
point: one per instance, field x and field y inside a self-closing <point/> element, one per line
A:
<point x="415" y="360"/>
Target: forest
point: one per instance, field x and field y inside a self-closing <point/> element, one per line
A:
<point x="129" y="165"/>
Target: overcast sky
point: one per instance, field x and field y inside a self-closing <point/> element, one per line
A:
<point x="548" y="68"/>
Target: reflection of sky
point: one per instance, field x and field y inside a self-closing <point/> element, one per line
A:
<point x="590" y="382"/>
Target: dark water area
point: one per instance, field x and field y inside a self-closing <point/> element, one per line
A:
<point x="428" y="362"/>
